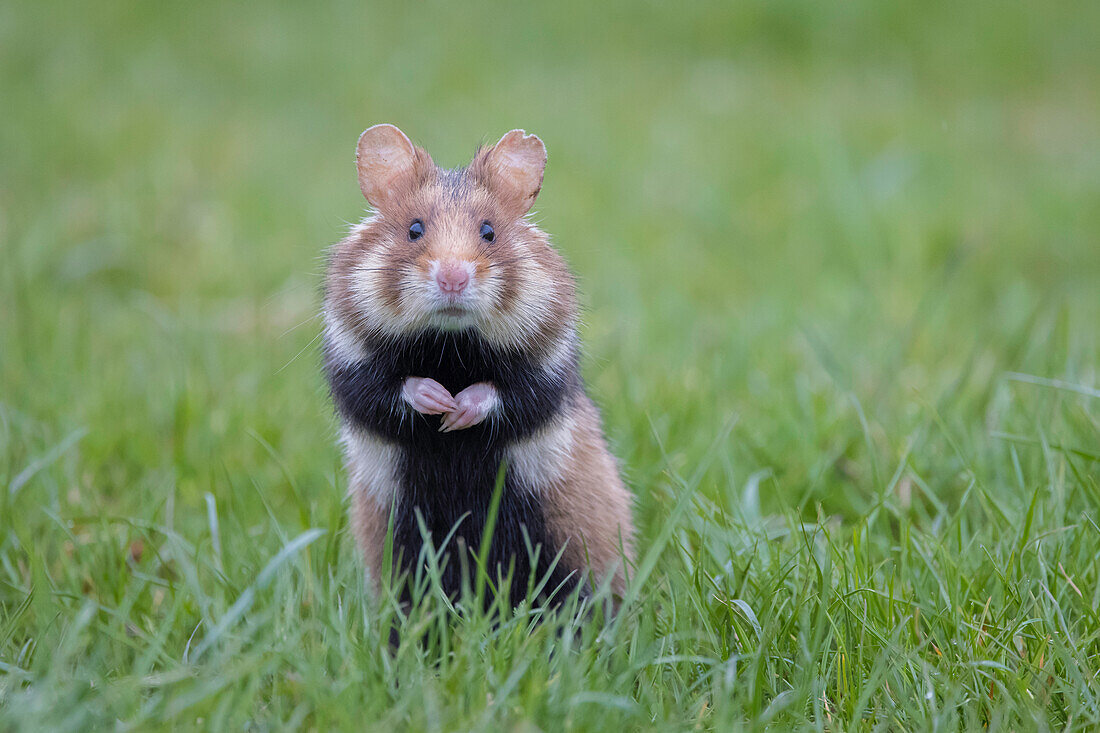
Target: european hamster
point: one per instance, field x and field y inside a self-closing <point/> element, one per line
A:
<point x="450" y="346"/>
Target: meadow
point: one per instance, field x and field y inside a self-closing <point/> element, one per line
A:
<point x="840" y="266"/>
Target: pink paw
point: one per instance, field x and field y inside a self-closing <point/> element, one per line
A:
<point x="428" y="396"/>
<point x="474" y="405"/>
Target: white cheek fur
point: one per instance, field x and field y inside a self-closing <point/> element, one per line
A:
<point x="527" y="315"/>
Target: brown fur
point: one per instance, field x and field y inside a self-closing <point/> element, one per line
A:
<point x="369" y="522"/>
<point x="589" y="508"/>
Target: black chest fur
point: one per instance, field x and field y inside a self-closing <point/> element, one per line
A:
<point x="447" y="479"/>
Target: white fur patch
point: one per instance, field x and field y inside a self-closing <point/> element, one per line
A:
<point x="542" y="459"/>
<point x="372" y="464"/>
<point x="562" y="350"/>
<point x="365" y="282"/>
<point x="344" y="345"/>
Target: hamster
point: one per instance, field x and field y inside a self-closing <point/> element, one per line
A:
<point x="450" y="347"/>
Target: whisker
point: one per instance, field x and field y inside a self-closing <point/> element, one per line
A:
<point x="508" y="260"/>
<point x="314" y="317"/>
<point x="295" y="357"/>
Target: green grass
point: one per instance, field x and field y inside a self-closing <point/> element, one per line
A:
<point x="841" y="270"/>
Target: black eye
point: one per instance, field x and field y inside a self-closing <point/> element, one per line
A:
<point x="416" y="230"/>
<point x="487" y="232"/>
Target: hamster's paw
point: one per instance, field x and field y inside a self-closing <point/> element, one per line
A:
<point x="428" y="396"/>
<point x="474" y="405"/>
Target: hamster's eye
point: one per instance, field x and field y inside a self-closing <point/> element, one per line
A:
<point x="487" y="232"/>
<point x="416" y="230"/>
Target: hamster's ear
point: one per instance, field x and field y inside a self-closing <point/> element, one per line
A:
<point x="389" y="164"/>
<point x="513" y="169"/>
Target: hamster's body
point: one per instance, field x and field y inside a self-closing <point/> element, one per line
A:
<point x="450" y="347"/>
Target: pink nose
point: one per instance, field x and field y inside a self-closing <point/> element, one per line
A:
<point x="452" y="278"/>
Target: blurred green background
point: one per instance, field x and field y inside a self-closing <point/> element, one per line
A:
<point x="833" y="230"/>
<point x="876" y="194"/>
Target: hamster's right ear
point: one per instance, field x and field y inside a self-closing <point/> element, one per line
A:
<point x="513" y="169"/>
<point x="389" y="164"/>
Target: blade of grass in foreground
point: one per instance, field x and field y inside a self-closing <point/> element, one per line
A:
<point x="487" y="533"/>
<point x="244" y="602"/>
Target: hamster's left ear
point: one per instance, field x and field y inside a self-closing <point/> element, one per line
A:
<point x="513" y="169"/>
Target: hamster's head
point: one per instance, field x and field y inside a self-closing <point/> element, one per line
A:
<point x="452" y="249"/>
